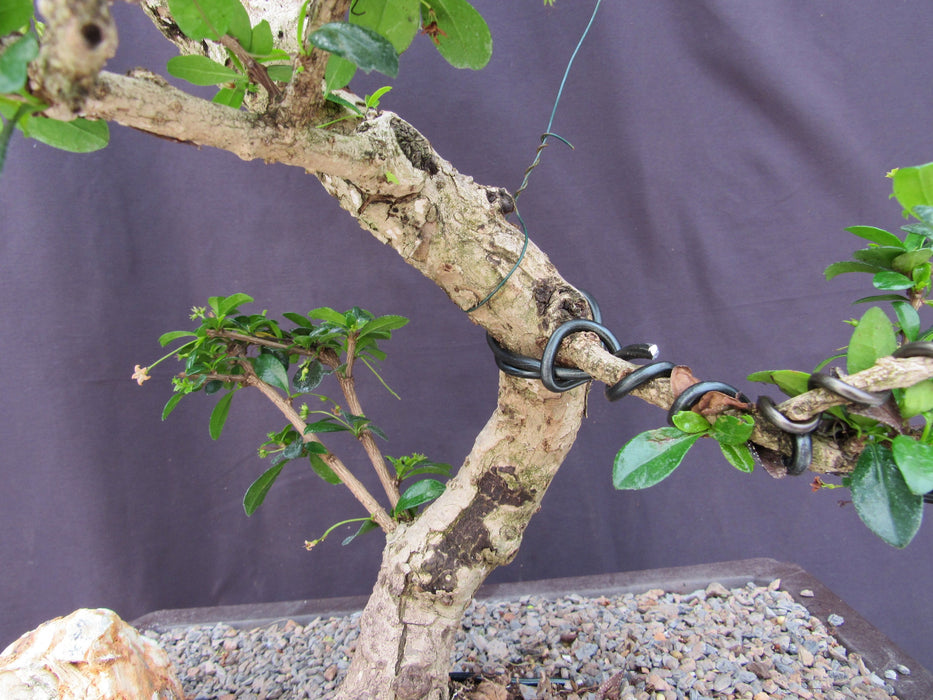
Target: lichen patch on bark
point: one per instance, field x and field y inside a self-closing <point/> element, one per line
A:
<point x="468" y="540"/>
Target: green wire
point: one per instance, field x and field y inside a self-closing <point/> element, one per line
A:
<point x="537" y="159"/>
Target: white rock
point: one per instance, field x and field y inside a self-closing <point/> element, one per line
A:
<point x="88" y="654"/>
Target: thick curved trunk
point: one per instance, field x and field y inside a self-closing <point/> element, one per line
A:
<point x="432" y="567"/>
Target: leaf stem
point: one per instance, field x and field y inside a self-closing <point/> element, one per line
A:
<point x="6" y="134"/>
<point x="359" y="491"/>
<point x="348" y="386"/>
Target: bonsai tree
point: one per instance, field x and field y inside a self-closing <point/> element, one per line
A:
<point x="281" y="74"/>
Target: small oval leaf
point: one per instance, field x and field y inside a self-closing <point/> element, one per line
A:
<point x="463" y="37"/>
<point x="872" y="338"/>
<point x="257" y="491"/>
<point x="650" y="457"/>
<point x="363" y="47"/>
<point x="219" y="415"/>
<point x="882" y="499"/>
<point x="420" y="493"/>
<point x="270" y="370"/>
<point x="200" y="70"/>
<point x="915" y="460"/>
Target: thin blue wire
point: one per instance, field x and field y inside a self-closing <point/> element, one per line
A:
<point x="560" y="92"/>
<point x="544" y="138"/>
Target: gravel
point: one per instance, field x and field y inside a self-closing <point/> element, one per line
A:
<point x="752" y="642"/>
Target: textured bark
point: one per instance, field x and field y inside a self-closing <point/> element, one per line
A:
<point x="432" y="567"/>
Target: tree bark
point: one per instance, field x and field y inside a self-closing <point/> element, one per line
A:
<point x="432" y="567"/>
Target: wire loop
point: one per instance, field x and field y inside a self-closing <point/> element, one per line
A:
<point x="917" y="349"/>
<point x="689" y="396"/>
<point x="767" y="409"/>
<point x="846" y="391"/>
<point x="802" y="455"/>
<point x="640" y="376"/>
<point x="548" y="377"/>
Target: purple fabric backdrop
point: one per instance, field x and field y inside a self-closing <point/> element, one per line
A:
<point x="721" y="148"/>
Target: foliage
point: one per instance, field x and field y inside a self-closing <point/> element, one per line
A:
<point x="373" y="37"/>
<point x="19" y="46"/>
<point x="230" y="350"/>
<point x="895" y="468"/>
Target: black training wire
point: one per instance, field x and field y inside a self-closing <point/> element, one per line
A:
<point x="560" y="379"/>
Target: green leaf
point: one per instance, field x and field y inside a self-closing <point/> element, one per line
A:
<point x="739" y="456"/>
<point x="372" y="101"/>
<point x="322" y="470"/>
<point x="14" y="15"/>
<point x="880" y="297"/>
<point x="297" y="319"/>
<point x="876" y="235"/>
<point x="908" y="319"/>
<point x="211" y="19"/>
<point x="913" y="186"/>
<point x="257" y="491"/>
<point x="309" y="376"/>
<point x="271" y="370"/>
<point x="880" y="256"/>
<point x="872" y="338"/>
<point x="690" y="422"/>
<point x="733" y="430"/>
<point x="466" y="41"/>
<point x="906" y="262"/>
<point x="915" y="460"/>
<point x="790" y="381"/>
<point x="839" y="268"/>
<point x="337" y="99"/>
<point x="916" y="399"/>
<point x="882" y="499"/>
<point x="14" y="61"/>
<point x="396" y="20"/>
<point x="261" y="43"/>
<point x="890" y="281"/>
<point x="200" y="70"/>
<point x="280" y="73"/>
<point x="419" y="493"/>
<point x="170" y="406"/>
<point x="326" y="426"/>
<point x="338" y="73"/>
<point x="227" y="305"/>
<point x="167" y="338"/>
<point x="367" y="526"/>
<point x="383" y="324"/>
<point x="230" y="97"/>
<point x="364" y="47"/>
<point x="426" y="467"/>
<point x="650" y="457"/>
<point x="325" y="313"/>
<point x="77" y="136"/>
<point x="219" y="415"/>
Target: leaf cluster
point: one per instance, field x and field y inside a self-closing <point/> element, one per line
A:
<point x="19" y="46"/>
<point x="652" y="456"/>
<point x="230" y="349"/>
<point x="374" y="35"/>
<point x="895" y="465"/>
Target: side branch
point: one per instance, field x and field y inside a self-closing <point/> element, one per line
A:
<point x="359" y="491"/>
<point x="152" y="105"/>
<point x="828" y="457"/>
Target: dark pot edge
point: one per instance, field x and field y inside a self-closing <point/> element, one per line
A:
<point x="856" y="633"/>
